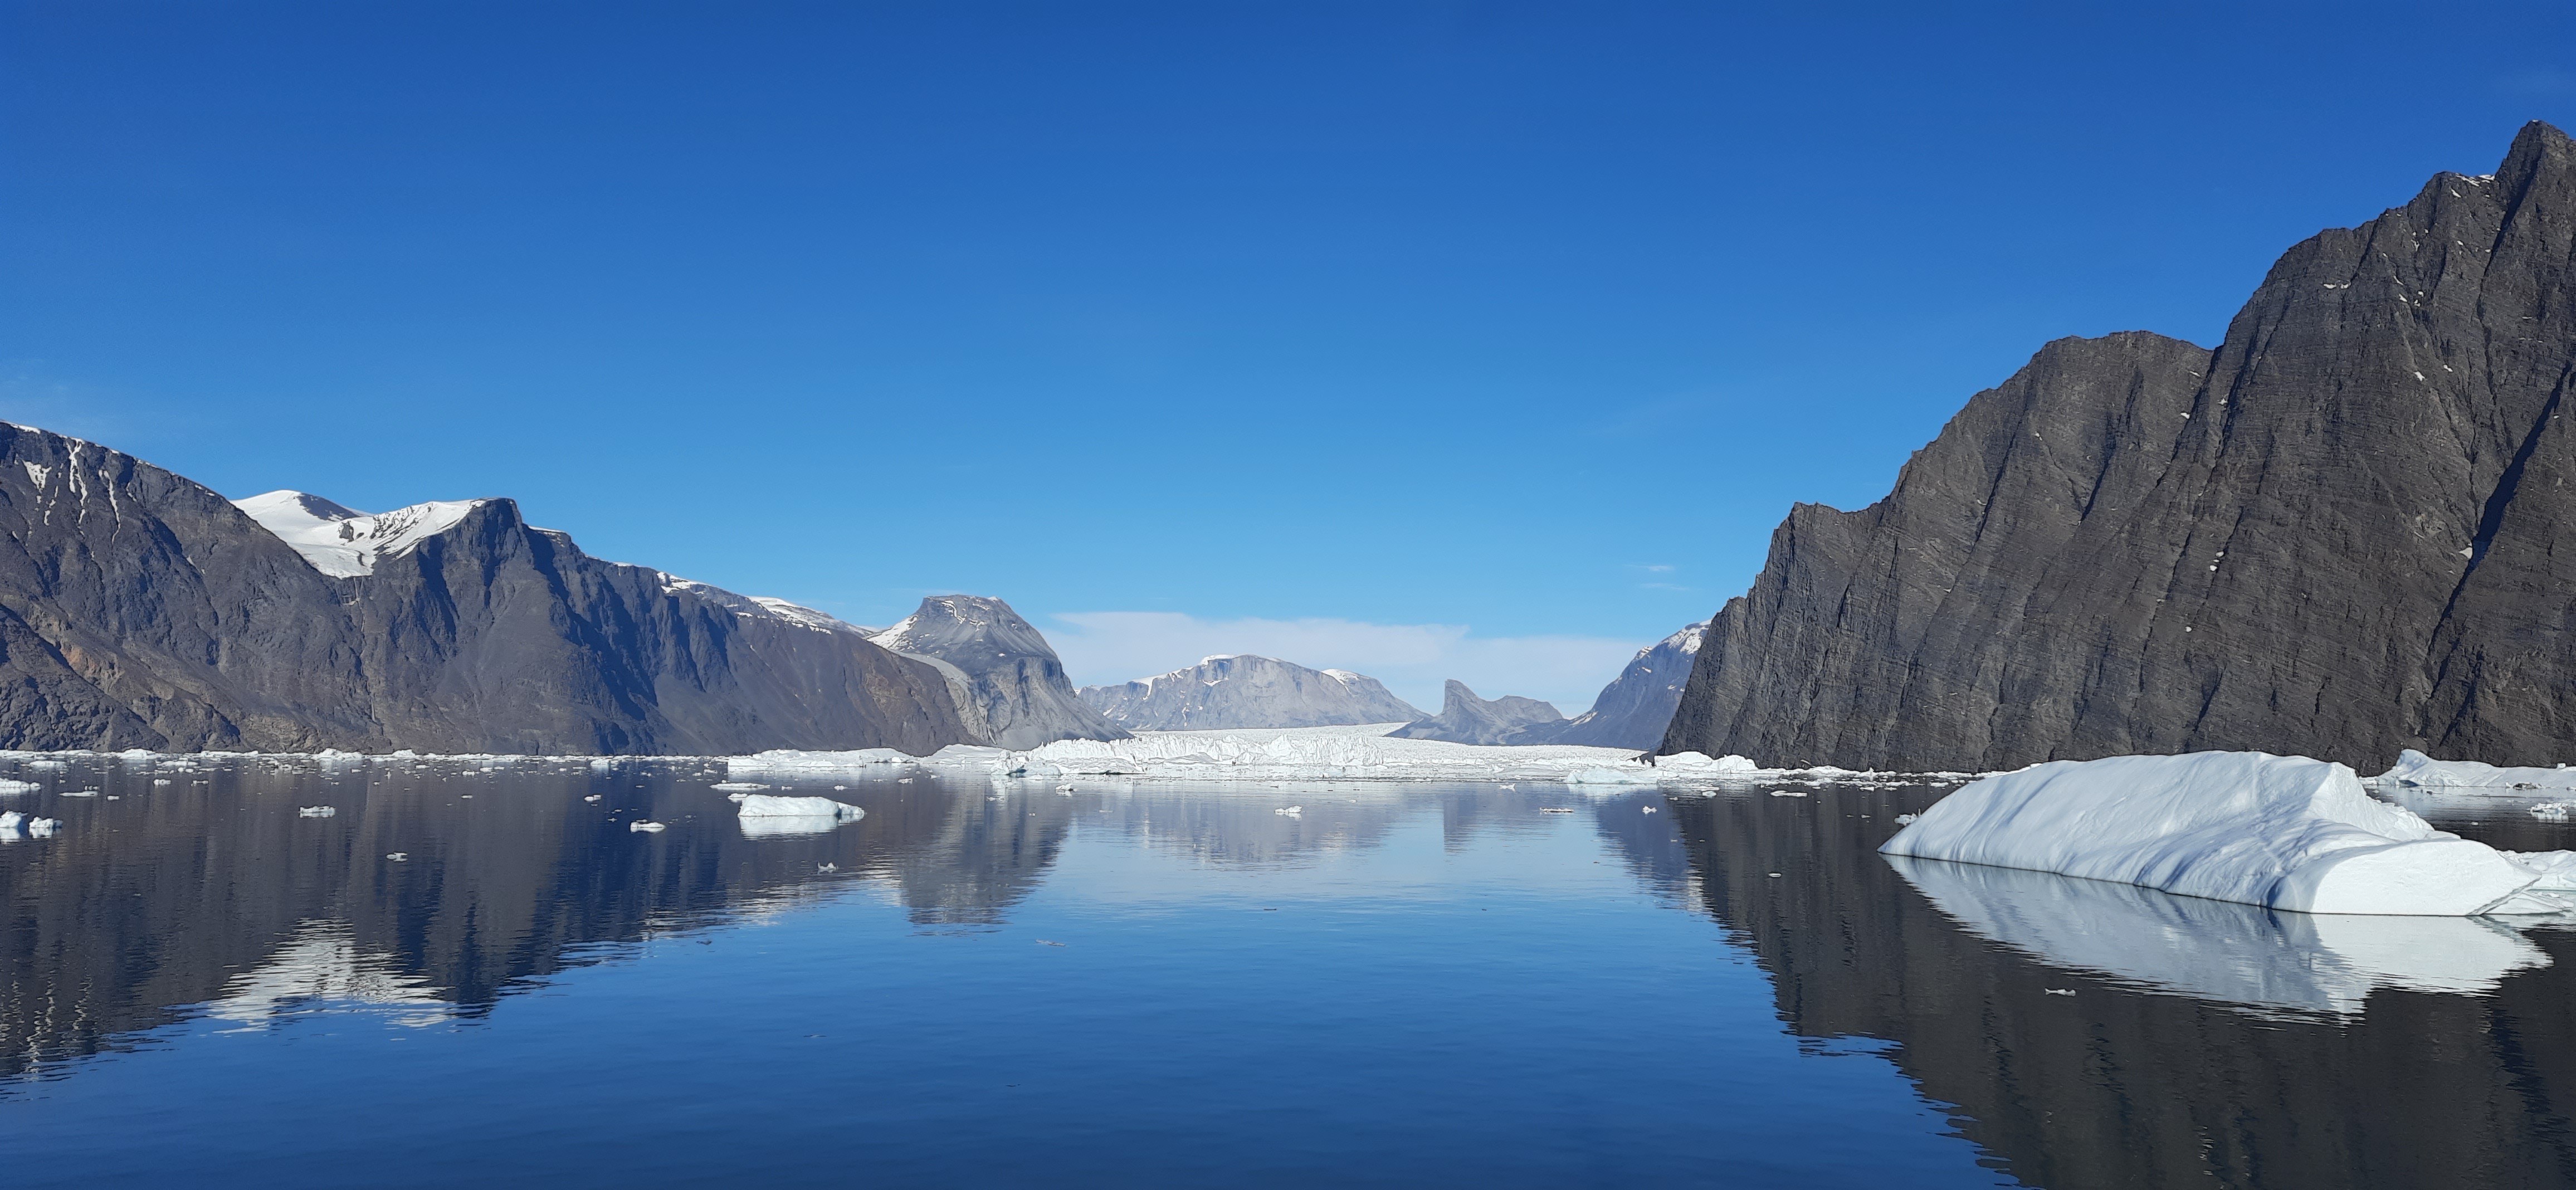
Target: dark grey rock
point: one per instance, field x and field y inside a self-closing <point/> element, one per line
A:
<point x="1248" y="691"/>
<point x="2344" y="532"/>
<point x="1635" y="708"/>
<point x="138" y="609"/>
<point x="1011" y="674"/>
<point x="1467" y="719"/>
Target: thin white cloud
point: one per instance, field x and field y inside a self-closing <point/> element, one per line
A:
<point x="1412" y="659"/>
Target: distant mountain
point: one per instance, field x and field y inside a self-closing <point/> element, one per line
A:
<point x="2346" y="531"/>
<point x="1247" y="691"/>
<point x="1010" y="676"/>
<point x="1467" y="719"/>
<point x="1635" y="708"/>
<point x="139" y="609"/>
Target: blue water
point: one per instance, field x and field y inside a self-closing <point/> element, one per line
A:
<point x="1404" y="985"/>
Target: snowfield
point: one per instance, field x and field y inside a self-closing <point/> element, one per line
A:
<point x="2283" y="832"/>
<point x="1360" y="753"/>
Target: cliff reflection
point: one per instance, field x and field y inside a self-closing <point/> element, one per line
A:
<point x="2240" y="1051"/>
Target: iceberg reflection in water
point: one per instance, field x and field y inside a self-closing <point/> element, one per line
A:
<point x="2243" y="955"/>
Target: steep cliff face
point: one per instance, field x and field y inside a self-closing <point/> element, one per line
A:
<point x="1635" y="708"/>
<point x="1012" y="676"/>
<point x="2339" y="534"/>
<point x="1467" y="719"/>
<point x="492" y="635"/>
<point x="1248" y="691"/>
<point x="139" y="609"/>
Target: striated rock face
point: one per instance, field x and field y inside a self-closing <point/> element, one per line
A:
<point x="139" y="609"/>
<point x="1248" y="691"/>
<point x="2345" y="532"/>
<point x="1011" y="675"/>
<point x="1467" y="719"/>
<point x="1635" y="708"/>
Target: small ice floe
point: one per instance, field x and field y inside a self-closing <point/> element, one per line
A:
<point x="2059" y="991"/>
<point x="8" y="787"/>
<point x="1290" y="811"/>
<point x="592" y="798"/>
<point x="903" y="780"/>
<point x="11" y="822"/>
<point x="644" y="826"/>
<point x="316" y="811"/>
<point x="744" y="786"/>
<point x="2553" y="811"/>
<point x="1066" y="790"/>
<point x="398" y="856"/>
<point x="1048" y="942"/>
<point x="1906" y="819"/>
<point x="1556" y="809"/>
<point x="163" y="781"/>
<point x="1653" y="809"/>
<point x="827" y="867"/>
<point x="1788" y="793"/>
<point x="80" y="793"/>
<point x="1508" y="787"/>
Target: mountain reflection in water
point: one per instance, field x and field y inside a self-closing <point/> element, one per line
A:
<point x="1447" y="948"/>
<point x="2205" y="1044"/>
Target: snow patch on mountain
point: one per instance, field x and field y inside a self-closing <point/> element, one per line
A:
<point x="344" y="543"/>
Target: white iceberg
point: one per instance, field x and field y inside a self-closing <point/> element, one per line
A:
<point x="13" y="822"/>
<point x="2284" y="832"/>
<point x="2239" y="954"/>
<point x="316" y="811"/>
<point x="765" y="815"/>
<point x="644" y="826"/>
<point x="2416" y="769"/>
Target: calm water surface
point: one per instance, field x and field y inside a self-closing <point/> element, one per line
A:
<point x="1404" y="984"/>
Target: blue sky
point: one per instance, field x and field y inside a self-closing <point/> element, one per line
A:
<point x="1485" y="340"/>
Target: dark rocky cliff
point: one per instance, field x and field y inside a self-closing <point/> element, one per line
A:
<point x="1635" y="708"/>
<point x="139" y="609"/>
<point x="2344" y="532"/>
<point x="1007" y="674"/>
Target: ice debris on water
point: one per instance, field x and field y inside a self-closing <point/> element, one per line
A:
<point x="1906" y="819"/>
<point x="1290" y="811"/>
<point x="398" y="856"/>
<point x="2059" y="991"/>
<point x="1556" y="809"/>
<point x="2554" y="811"/>
<point x="8" y="787"/>
<point x="316" y="811"/>
<point x="1788" y="793"/>
<point x="643" y="826"/>
<point x="592" y="798"/>
<point x="80" y="793"/>
<point x="758" y="805"/>
<point x="745" y="786"/>
<point x="12" y="821"/>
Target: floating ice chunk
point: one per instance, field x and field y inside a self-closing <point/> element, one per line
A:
<point x="2557" y="869"/>
<point x="2554" y="811"/>
<point x="644" y="826"/>
<point x="316" y="811"/>
<point x="1788" y="793"/>
<point x="12" y="822"/>
<point x="1653" y="809"/>
<point x="2284" y="832"/>
<point x="80" y="793"/>
<point x="1602" y="774"/>
<point x="1556" y="809"/>
<point x="1290" y="811"/>
<point x="1906" y="819"/>
<point x="2415" y="768"/>
<point x="741" y="785"/>
<point x="592" y="798"/>
<point x="397" y="856"/>
<point x="602" y="764"/>
<point x="8" y="787"/>
<point x="769" y="806"/>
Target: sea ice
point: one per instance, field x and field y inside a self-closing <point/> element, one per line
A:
<point x="316" y="811"/>
<point x="2284" y="832"/>
<point x="1275" y="754"/>
<point x="8" y="786"/>
<point x="2415" y="768"/>
<point x="643" y="826"/>
<point x="770" y="806"/>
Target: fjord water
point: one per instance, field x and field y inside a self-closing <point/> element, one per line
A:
<point x="1001" y="984"/>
